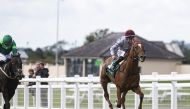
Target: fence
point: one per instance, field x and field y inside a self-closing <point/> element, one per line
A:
<point x="161" y="92"/>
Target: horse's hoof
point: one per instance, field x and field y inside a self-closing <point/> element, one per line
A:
<point x="118" y="105"/>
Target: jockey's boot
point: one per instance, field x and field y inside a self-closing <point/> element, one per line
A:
<point x="2" y="63"/>
<point x="113" y="67"/>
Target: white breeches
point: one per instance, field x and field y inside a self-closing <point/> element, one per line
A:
<point x="120" y="53"/>
<point x="4" y="57"/>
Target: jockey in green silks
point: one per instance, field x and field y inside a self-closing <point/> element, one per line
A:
<point x="7" y="45"/>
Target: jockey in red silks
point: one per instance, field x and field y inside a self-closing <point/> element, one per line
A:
<point x="118" y="50"/>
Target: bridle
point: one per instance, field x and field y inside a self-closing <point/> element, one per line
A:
<point x="135" y="56"/>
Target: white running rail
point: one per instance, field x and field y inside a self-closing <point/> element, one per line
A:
<point x="154" y="83"/>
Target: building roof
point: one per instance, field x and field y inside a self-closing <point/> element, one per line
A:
<point x="174" y="47"/>
<point x="100" y="48"/>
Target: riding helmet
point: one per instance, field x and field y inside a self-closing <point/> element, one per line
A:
<point x="129" y="33"/>
<point x="7" y="40"/>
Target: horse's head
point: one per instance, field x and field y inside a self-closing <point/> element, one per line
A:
<point x="137" y="50"/>
<point x="16" y="66"/>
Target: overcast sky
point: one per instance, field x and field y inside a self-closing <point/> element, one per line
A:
<point x="34" y="21"/>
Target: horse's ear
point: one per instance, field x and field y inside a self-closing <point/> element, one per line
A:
<point x="17" y="54"/>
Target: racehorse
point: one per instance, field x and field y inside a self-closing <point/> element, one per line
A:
<point x="127" y="76"/>
<point x="10" y="74"/>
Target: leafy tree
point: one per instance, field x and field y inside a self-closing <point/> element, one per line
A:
<point x="186" y="55"/>
<point x="185" y="49"/>
<point x="39" y="53"/>
<point x="46" y="54"/>
<point x="98" y="34"/>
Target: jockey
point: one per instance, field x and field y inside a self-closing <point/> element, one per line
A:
<point x="119" y="49"/>
<point x="7" y="44"/>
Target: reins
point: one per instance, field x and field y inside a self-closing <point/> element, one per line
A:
<point x="6" y="73"/>
<point x="130" y="56"/>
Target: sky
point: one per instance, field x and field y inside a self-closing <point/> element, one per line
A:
<point x="33" y="23"/>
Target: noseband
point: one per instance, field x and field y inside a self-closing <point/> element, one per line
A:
<point x="137" y="58"/>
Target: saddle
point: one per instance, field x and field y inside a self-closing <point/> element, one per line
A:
<point x="112" y="73"/>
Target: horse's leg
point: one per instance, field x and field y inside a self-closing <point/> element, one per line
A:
<point x="140" y="93"/>
<point x="6" y="99"/>
<point x="106" y="94"/>
<point x="123" y="99"/>
<point x="118" y="97"/>
<point x="7" y="95"/>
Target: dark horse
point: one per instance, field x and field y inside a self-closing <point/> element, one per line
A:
<point x="127" y="77"/>
<point x="10" y="74"/>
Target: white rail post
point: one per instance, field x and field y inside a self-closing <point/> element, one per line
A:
<point x="155" y="92"/>
<point x="26" y="96"/>
<point x="77" y="94"/>
<point x="63" y="95"/>
<point x="15" y="99"/>
<point x="49" y="96"/>
<point x="105" y="103"/>
<point x="2" y="100"/>
<point x="38" y="94"/>
<point x="136" y="101"/>
<point x="173" y="92"/>
<point x="90" y="93"/>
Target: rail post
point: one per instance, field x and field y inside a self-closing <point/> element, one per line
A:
<point x="38" y="94"/>
<point x="77" y="94"/>
<point x="2" y="100"/>
<point x="63" y="94"/>
<point x="15" y="99"/>
<point x="173" y="92"/>
<point x="136" y="101"/>
<point x="155" y="91"/>
<point x="26" y="95"/>
<point x="90" y="93"/>
<point x="49" y="96"/>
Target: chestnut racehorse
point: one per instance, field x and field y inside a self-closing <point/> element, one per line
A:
<point x="127" y="77"/>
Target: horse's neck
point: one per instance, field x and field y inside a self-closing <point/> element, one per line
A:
<point x="130" y="64"/>
<point x="6" y="68"/>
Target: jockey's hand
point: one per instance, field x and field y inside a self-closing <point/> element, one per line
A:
<point x="114" y="57"/>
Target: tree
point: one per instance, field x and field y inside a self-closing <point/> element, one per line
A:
<point x="40" y="53"/>
<point x="98" y="34"/>
<point x="46" y="54"/>
<point x="185" y="49"/>
<point x="186" y="53"/>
